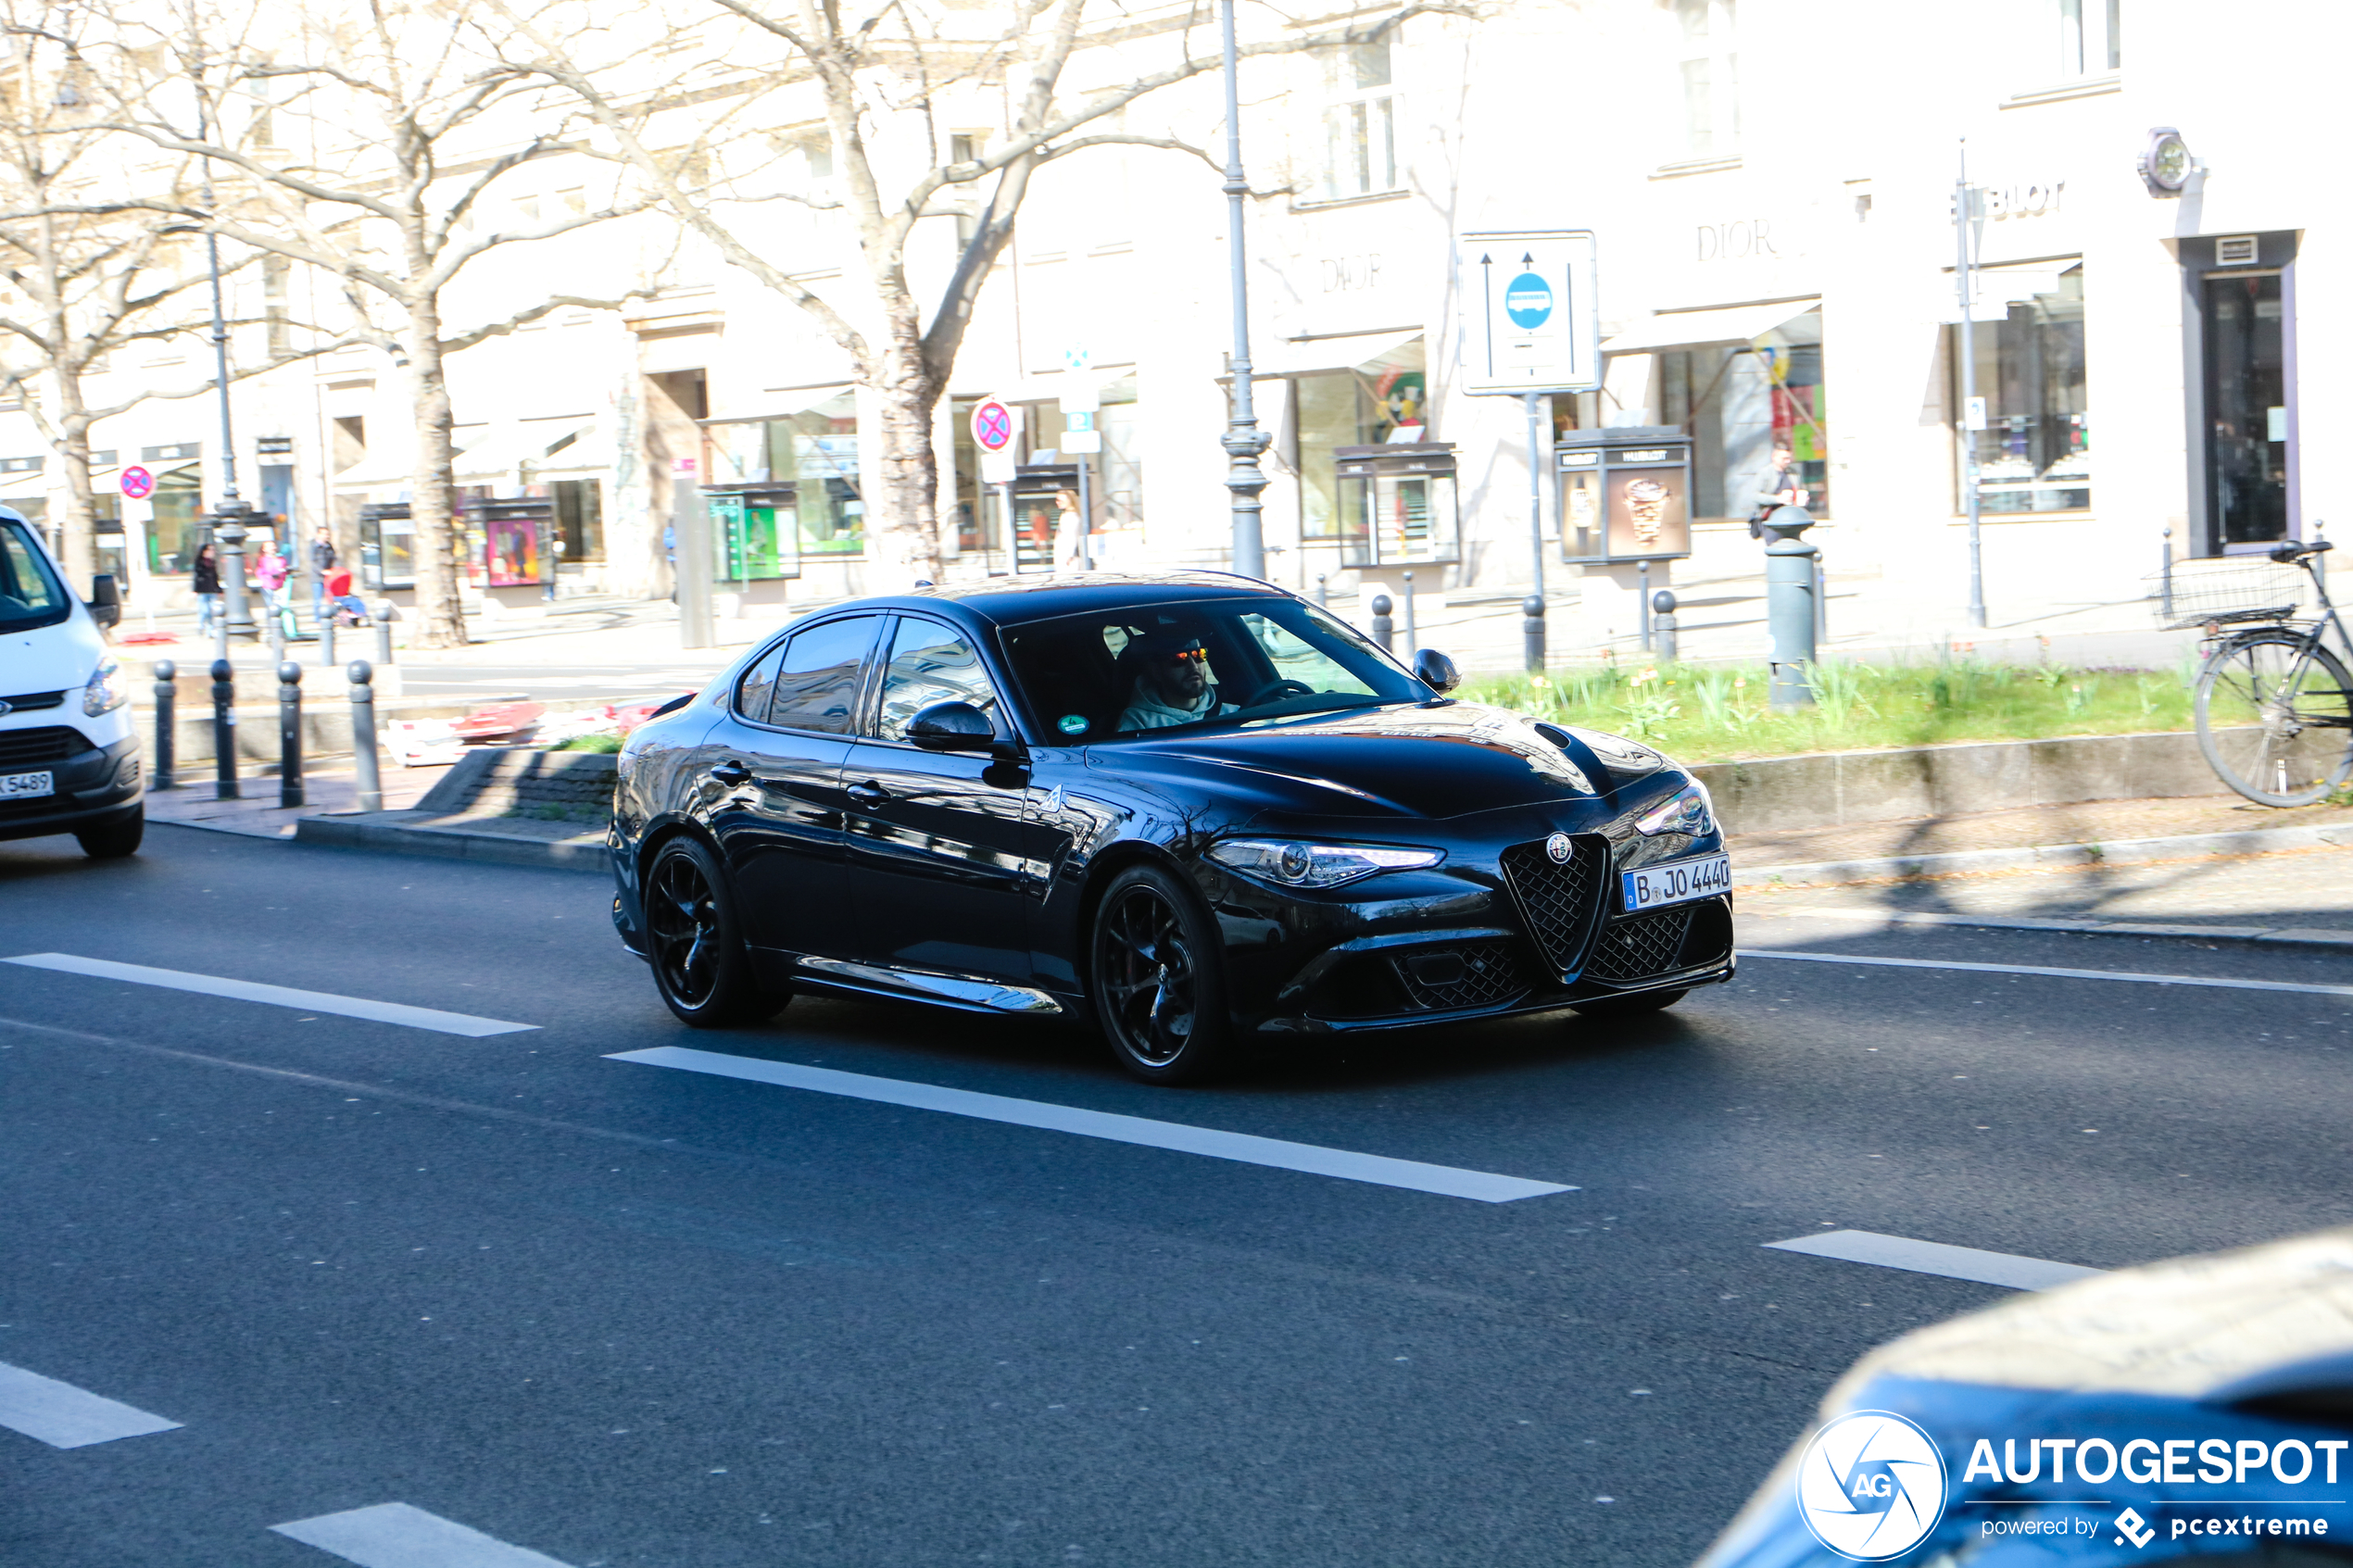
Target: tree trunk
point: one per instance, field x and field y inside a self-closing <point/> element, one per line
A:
<point x="440" y="618"/>
<point x="78" y="527"/>
<point x="902" y="524"/>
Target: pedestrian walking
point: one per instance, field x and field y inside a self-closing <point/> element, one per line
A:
<point x="1070" y="534"/>
<point x="205" y="578"/>
<point x="269" y="575"/>
<point x="1781" y="489"/>
<point x="323" y="561"/>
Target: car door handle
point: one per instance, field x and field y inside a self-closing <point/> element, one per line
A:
<point x="732" y="773"/>
<point x="868" y="794"/>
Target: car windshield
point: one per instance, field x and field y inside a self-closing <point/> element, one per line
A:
<point x="31" y="594"/>
<point x="1195" y="663"/>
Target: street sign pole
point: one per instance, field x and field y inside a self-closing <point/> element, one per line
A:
<point x="1969" y="421"/>
<point x="996" y="424"/>
<point x="1537" y="333"/>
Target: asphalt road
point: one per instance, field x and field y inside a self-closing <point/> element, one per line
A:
<point x="620" y="1314"/>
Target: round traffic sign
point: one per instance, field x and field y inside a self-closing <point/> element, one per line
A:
<point x="993" y="426"/>
<point x="138" y="484"/>
<point x="1529" y="301"/>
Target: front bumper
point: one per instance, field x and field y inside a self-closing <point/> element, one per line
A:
<point x="1501" y="927"/>
<point x="95" y="784"/>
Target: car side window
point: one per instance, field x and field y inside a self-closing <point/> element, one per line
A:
<point x="816" y="685"/>
<point x="753" y="691"/>
<point x="930" y="663"/>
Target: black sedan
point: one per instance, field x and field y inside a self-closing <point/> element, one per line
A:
<point x="1192" y="808"/>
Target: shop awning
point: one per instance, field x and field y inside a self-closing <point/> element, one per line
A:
<point x="1695" y="329"/>
<point x="782" y="402"/>
<point x="1322" y="355"/>
<point x="566" y="445"/>
<point x="370" y="473"/>
<point x="17" y="486"/>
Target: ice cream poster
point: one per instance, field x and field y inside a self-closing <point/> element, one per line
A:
<point x="1647" y="514"/>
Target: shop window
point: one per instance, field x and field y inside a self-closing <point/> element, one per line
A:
<point x="580" y="520"/>
<point x="1360" y="123"/>
<point x="1708" y="62"/>
<point x="1120" y="469"/>
<point x="1365" y="406"/>
<point x="2091" y="36"/>
<point x="1758" y="417"/>
<point x="2033" y="453"/>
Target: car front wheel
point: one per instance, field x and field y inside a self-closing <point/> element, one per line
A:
<point x="1159" y="982"/>
<point x="112" y="841"/>
<point x="700" y="962"/>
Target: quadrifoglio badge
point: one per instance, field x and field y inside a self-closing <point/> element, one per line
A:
<point x="1873" y="1486"/>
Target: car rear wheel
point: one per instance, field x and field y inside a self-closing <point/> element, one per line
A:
<point x="112" y="841"/>
<point x="699" y="963"/>
<point x="1159" y="983"/>
<point x="1631" y="1006"/>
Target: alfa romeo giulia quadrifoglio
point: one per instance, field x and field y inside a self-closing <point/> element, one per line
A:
<point x="1193" y="809"/>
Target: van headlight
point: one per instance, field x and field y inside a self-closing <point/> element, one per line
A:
<point x="106" y="690"/>
<point x="1687" y="810"/>
<point x="1292" y="864"/>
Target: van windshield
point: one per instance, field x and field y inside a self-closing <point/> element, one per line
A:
<point x="31" y="594"/>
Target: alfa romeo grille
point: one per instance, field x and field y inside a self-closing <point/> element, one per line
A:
<point x="1638" y="949"/>
<point x="1488" y="973"/>
<point x="1560" y="901"/>
<point x="54" y="743"/>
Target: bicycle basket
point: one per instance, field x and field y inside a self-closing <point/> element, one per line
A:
<point x="2227" y="588"/>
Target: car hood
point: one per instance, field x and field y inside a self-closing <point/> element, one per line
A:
<point x="50" y="659"/>
<point x="1397" y="762"/>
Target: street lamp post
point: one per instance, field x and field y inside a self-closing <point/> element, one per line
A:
<point x="1243" y="440"/>
<point x="230" y="513"/>
<point x="1968" y="392"/>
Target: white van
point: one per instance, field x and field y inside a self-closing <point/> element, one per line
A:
<point x="68" y="754"/>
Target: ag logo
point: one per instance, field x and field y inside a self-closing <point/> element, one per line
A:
<point x="1871" y="1486"/>
<point x="1558" y="847"/>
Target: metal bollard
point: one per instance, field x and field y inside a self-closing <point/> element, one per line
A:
<point x="1663" y="624"/>
<point x="1413" y="643"/>
<point x="1642" y="602"/>
<point x="363" y="737"/>
<point x="166" y="692"/>
<point x="2165" y="578"/>
<point x="1383" y="627"/>
<point x="1822" y="602"/>
<point x="224" y="731"/>
<point x="289" y="733"/>
<point x="1531" y="631"/>
<point x="383" y="633"/>
<point x="277" y="632"/>
<point x="1323" y="597"/>
<point x="1789" y="604"/>
<point x="327" y="640"/>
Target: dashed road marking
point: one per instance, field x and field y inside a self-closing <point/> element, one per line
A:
<point x="275" y="996"/>
<point x="2057" y="973"/>
<point x="1446" y="1180"/>
<point x="394" y="1535"/>
<point x="65" y="1417"/>
<point x="1937" y="1258"/>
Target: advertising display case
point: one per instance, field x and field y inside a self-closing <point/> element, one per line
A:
<point x="1625" y="494"/>
<point x="387" y="546"/>
<point x="1397" y="505"/>
<point x="1039" y="489"/>
<point x="513" y="533"/>
<point x="756" y="533"/>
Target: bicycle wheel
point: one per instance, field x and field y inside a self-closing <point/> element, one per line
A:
<point x="2275" y="718"/>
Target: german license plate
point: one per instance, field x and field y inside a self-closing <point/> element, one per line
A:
<point x="1676" y="881"/>
<point x="24" y="786"/>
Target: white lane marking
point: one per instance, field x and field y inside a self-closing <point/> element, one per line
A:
<point x="2059" y="973"/>
<point x="65" y="1417"/>
<point x="276" y="995"/>
<point x="1936" y="1258"/>
<point x="1446" y="1180"/>
<point x="394" y="1535"/>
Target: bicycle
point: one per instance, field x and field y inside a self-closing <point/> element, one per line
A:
<point x="2273" y="703"/>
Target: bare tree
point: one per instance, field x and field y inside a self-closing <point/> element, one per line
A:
<point x="887" y="76"/>
<point x="407" y="126"/>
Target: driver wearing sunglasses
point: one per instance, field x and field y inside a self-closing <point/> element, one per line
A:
<point x="1171" y="682"/>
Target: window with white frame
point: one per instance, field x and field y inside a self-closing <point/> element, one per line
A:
<point x="1360" y="123"/>
<point x="2091" y="36"/>
<point x="1709" y="61"/>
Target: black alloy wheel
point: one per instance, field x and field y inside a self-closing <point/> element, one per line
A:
<point x="1160" y="991"/>
<point x="112" y="841"/>
<point x="699" y="963"/>
<point x="1629" y="1007"/>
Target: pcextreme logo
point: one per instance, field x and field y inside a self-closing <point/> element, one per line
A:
<point x="1871" y="1486"/>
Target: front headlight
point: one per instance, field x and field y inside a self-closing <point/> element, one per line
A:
<point x="105" y="690"/>
<point x="1686" y="810"/>
<point x="1292" y="864"/>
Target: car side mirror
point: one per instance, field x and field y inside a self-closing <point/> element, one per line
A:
<point x="105" y="600"/>
<point x="1436" y="670"/>
<point x="952" y="726"/>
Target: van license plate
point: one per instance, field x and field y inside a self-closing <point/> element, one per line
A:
<point x="24" y="786"/>
<point x="1676" y="881"/>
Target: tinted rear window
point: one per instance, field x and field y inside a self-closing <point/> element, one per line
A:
<point x="817" y="685"/>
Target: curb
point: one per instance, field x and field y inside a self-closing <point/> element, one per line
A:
<point x="452" y="843"/>
<point x="2288" y="936"/>
<point x="2129" y="852"/>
